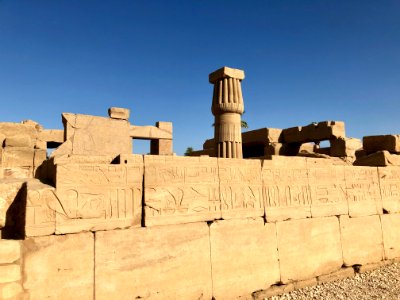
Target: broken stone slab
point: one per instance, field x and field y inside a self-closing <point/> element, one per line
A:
<point x="119" y="113"/>
<point x="66" y="260"/>
<point x="361" y="244"/>
<point x="161" y="262"/>
<point x="388" y="142"/>
<point x="300" y="240"/>
<point x="314" y="132"/>
<point x="379" y="159"/>
<point x="245" y="251"/>
<point x="20" y="140"/>
<point x="342" y="147"/>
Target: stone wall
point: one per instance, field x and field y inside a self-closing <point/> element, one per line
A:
<point x="167" y="227"/>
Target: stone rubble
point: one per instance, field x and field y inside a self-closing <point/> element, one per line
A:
<point x="382" y="283"/>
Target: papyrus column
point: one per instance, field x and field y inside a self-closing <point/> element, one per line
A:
<point x="227" y="107"/>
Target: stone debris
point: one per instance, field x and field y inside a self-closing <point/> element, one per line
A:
<point x="382" y="283"/>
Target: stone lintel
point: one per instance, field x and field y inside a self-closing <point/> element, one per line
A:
<point x="226" y="72"/>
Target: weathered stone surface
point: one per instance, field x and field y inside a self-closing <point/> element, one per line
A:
<point x="16" y="172"/>
<point x="163" y="262"/>
<point x="362" y="187"/>
<point x="342" y="147"/>
<point x="51" y="136"/>
<point x="10" y="291"/>
<point x="149" y="132"/>
<point x="262" y="136"/>
<point x="10" y="273"/>
<point x="305" y="283"/>
<point x="98" y="196"/>
<point x="391" y="235"/>
<point x="119" y="113"/>
<point x="361" y="240"/>
<point x="308" y="248"/>
<point x="286" y="190"/>
<point x="375" y="143"/>
<point x="39" y="157"/>
<point x="17" y="157"/>
<point x="91" y="135"/>
<point x="83" y="159"/>
<point x="41" y="202"/>
<point x="59" y="267"/>
<point x="20" y="140"/>
<point x="378" y="159"/>
<point x="180" y="189"/>
<point x="10" y="129"/>
<point x="240" y="188"/>
<point x="325" y="130"/>
<point x="9" y="251"/>
<point x="389" y="182"/>
<point x="337" y="275"/>
<point x="244" y="257"/>
<point x="9" y="189"/>
<point x="328" y="190"/>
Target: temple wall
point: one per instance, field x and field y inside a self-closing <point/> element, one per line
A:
<point x="167" y="227"/>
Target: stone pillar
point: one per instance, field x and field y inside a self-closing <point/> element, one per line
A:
<point x="227" y="107"/>
<point x="162" y="146"/>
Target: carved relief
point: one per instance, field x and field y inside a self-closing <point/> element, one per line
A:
<point x="240" y="188"/>
<point x="362" y="189"/>
<point x="180" y="189"/>
<point x="94" y="197"/>
<point x="389" y="182"/>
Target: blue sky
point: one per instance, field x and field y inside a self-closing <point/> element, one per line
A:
<point x="304" y="61"/>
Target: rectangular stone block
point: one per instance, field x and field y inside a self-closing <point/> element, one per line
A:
<point x="10" y="273"/>
<point x="308" y="248"/>
<point x="389" y="182"/>
<point x="362" y="188"/>
<point x="10" y="291"/>
<point x="164" y="262"/>
<point x="314" y="132"/>
<point x="16" y="172"/>
<point x="378" y="159"/>
<point x="18" y="140"/>
<point x="328" y="190"/>
<point x="41" y="202"/>
<point x="119" y="113"/>
<point x="344" y="147"/>
<point x="59" y="267"/>
<point x="244" y="257"/>
<point x="240" y="188"/>
<point x="17" y="157"/>
<point x="287" y="194"/>
<point x="98" y="196"/>
<point x="51" y="135"/>
<point x="10" y="251"/>
<point x="180" y="190"/>
<point x="361" y="240"/>
<point x="10" y="129"/>
<point x="262" y="136"/>
<point x="391" y="235"/>
<point x="388" y="142"/>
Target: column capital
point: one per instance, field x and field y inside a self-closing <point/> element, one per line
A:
<point x="225" y="72"/>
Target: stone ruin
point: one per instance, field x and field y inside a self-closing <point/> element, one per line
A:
<point x="92" y="220"/>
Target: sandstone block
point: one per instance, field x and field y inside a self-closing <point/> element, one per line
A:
<point x="91" y="135"/>
<point x="119" y="113"/>
<point x="16" y="172"/>
<point x="375" y="143"/>
<point x="363" y="194"/>
<point x="10" y="129"/>
<point x="39" y="157"/>
<point x="9" y="251"/>
<point x="20" y="140"/>
<point x="343" y="147"/>
<point x="10" y="291"/>
<point x="378" y="159"/>
<point x="83" y="159"/>
<point x="17" y="157"/>
<point x="10" y="273"/>
<point x="290" y="149"/>
<point x="59" y="267"/>
<point x="52" y="136"/>
<point x="163" y="262"/>
<point x="390" y="188"/>
<point x="161" y="147"/>
<point x="391" y="235"/>
<point x="338" y="275"/>
<point x="240" y="188"/>
<point x="308" y="248"/>
<point x="245" y="252"/>
<point x="286" y="190"/>
<point x="180" y="189"/>
<point x="98" y="196"/>
<point x="9" y="189"/>
<point x="361" y="240"/>
<point x="326" y="130"/>
<point x="262" y="136"/>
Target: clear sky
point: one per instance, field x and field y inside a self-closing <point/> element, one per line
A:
<point x="304" y="61"/>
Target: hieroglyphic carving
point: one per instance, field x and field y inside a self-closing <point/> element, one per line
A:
<point x="240" y="188"/>
<point x="389" y="182"/>
<point x="286" y="190"/>
<point x="98" y="196"/>
<point x="328" y="190"/>
<point x="362" y="189"/>
<point x="180" y="189"/>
